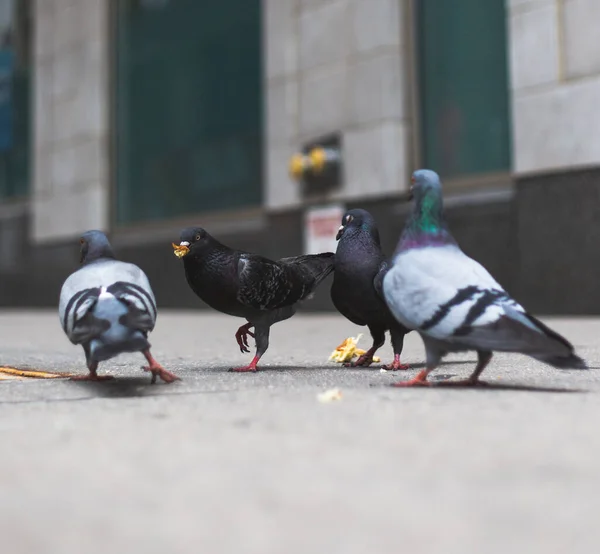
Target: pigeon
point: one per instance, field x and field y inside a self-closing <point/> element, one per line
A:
<point x="356" y="289"/>
<point x="453" y="302"/>
<point x="247" y="285"/>
<point x="108" y="307"/>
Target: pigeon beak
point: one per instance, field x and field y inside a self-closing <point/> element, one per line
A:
<point x="340" y="232"/>
<point x="411" y="190"/>
<point x="181" y="249"/>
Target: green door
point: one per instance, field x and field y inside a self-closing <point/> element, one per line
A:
<point x="464" y="90"/>
<point x="188" y="107"/>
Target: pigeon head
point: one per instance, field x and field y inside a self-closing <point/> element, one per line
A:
<point x="425" y="183"/>
<point x="191" y="239"/>
<point x="94" y="246"/>
<point x="426" y="225"/>
<point x="426" y="191"/>
<point x="356" y="221"/>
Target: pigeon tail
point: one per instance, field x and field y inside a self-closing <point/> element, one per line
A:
<point x="315" y="266"/>
<point x="564" y="362"/>
<point x="116" y="337"/>
<point x="101" y="351"/>
<point x="569" y="360"/>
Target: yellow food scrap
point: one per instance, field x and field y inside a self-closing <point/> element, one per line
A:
<point x="10" y="373"/>
<point x="180" y="250"/>
<point x="330" y="395"/>
<point x="347" y="351"/>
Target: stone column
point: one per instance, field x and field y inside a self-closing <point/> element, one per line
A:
<point x="555" y="74"/>
<point x="70" y="191"/>
<point x="337" y="66"/>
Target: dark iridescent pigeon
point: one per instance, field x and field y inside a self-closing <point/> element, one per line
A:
<point x="453" y="302"/>
<point x="108" y="307"/>
<point x="356" y="290"/>
<point x="247" y="285"/>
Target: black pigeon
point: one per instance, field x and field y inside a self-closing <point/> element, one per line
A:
<point x="356" y="290"/>
<point x="247" y="285"/>
<point x="108" y="307"/>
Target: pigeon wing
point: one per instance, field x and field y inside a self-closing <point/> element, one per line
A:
<point x="267" y="285"/>
<point x="433" y="289"/>
<point x="77" y="318"/>
<point x="378" y="279"/>
<point x="452" y="298"/>
<point x="81" y="290"/>
<point x="141" y="306"/>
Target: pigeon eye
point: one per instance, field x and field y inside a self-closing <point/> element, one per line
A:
<point x="198" y="237"/>
<point x="81" y="241"/>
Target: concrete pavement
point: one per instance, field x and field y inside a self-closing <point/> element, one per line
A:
<point x="229" y="463"/>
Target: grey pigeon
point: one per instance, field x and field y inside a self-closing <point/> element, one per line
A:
<point x="356" y="290"/>
<point x="246" y="285"/>
<point x="453" y="302"/>
<point x="108" y="307"/>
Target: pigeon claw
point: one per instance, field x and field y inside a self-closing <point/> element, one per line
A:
<point x="161" y="372"/>
<point x="158" y="370"/>
<point x="245" y="369"/>
<point x="419" y="381"/>
<point x="92" y="377"/>
<point x="251" y="367"/>
<point x="241" y="336"/>
<point x="363" y="361"/>
<point x="396" y="365"/>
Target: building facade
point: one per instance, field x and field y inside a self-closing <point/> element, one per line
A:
<point x="140" y="117"/>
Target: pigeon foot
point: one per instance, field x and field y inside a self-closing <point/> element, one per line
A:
<point x="396" y="364"/>
<point x="363" y="361"/>
<point x="92" y="377"/>
<point x="419" y="381"/>
<point x="251" y="367"/>
<point x="241" y="336"/>
<point x="158" y="370"/>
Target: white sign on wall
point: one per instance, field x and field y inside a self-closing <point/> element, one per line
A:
<point x="321" y="224"/>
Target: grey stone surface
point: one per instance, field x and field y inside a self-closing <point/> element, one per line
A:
<point x="70" y="185"/>
<point x="534" y="47"/>
<point x="552" y="127"/>
<point x="555" y="79"/>
<point x="281" y="43"/>
<point x="377" y="24"/>
<point x="336" y="66"/>
<point x="377" y="89"/>
<point x="323" y="102"/>
<point x="373" y="163"/>
<point x="581" y="18"/>
<point x="226" y="463"/>
<point x="324" y="34"/>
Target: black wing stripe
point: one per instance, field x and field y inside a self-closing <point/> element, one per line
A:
<point x="75" y="303"/>
<point x="72" y="300"/>
<point x="488" y="298"/>
<point x="121" y="287"/>
<point x="145" y="298"/>
<point x="461" y="296"/>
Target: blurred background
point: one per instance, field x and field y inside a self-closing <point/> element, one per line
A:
<point x="263" y="121"/>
